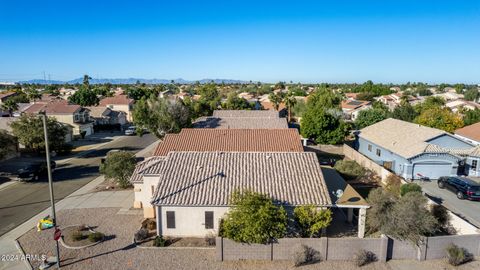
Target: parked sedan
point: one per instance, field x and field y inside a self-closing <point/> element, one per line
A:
<point x="464" y="188"/>
<point x="34" y="170"/>
<point x="131" y="131"/>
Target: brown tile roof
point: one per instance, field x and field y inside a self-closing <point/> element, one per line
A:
<point x="116" y="100"/>
<point x="231" y="140"/>
<point x="53" y="108"/>
<point x="209" y="178"/>
<point x="7" y="94"/>
<point x="245" y="114"/>
<point x="268" y="105"/>
<point x="472" y="132"/>
<point x="241" y="123"/>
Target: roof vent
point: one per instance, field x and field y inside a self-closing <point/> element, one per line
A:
<point x="199" y="167"/>
<point x="269" y="157"/>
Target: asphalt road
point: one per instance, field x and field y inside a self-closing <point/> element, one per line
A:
<point x="468" y="210"/>
<point x="21" y="201"/>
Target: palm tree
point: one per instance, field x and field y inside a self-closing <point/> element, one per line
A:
<point x="10" y="106"/>
<point x="275" y="100"/>
<point x="290" y="101"/>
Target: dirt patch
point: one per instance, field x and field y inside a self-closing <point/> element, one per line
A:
<point x="108" y="185"/>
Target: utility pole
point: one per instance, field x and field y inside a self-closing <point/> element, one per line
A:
<point x="50" y="182"/>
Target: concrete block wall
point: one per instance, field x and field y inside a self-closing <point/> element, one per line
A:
<point x="436" y="245"/>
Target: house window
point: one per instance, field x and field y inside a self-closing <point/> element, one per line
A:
<point x="208" y="219"/>
<point x="152" y="188"/>
<point x="170" y="220"/>
<point x="370" y="148"/>
<point x="379" y="152"/>
<point x="474" y="165"/>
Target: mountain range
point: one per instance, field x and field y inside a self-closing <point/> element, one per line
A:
<point x="131" y="81"/>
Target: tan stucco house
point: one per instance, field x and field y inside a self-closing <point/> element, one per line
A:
<point x="120" y="103"/>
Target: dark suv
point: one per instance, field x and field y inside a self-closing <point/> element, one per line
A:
<point x="464" y="188"/>
<point x="34" y="170"/>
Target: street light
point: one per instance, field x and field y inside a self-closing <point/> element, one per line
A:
<point x="50" y="182"/>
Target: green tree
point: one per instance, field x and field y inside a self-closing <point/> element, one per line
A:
<point x="6" y="143"/>
<point x="29" y="131"/>
<point x="86" y="82"/>
<point x="312" y="220"/>
<point x="410" y="187"/>
<point x="322" y="126"/>
<point x="471" y="117"/>
<point x="276" y="100"/>
<point x="10" y="106"/>
<point x="324" y="98"/>
<point x="84" y="97"/>
<point x="430" y="103"/>
<point x="119" y="166"/>
<point x="472" y="94"/>
<point x="290" y="102"/>
<point x="440" y="118"/>
<point x="459" y="87"/>
<point x="236" y="103"/>
<point x="161" y="116"/>
<point x="33" y="95"/>
<point x="254" y="219"/>
<point x="405" y="112"/>
<point x="369" y="117"/>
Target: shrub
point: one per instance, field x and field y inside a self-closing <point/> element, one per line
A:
<point x="410" y="187"/>
<point x="151" y="224"/>
<point x="95" y="237"/>
<point x="119" y="166"/>
<point x="441" y="215"/>
<point x="350" y="169"/>
<point x="311" y="220"/>
<point x="141" y="234"/>
<point x="77" y="236"/>
<point x="457" y="255"/>
<point x="363" y="257"/>
<point x="210" y="239"/>
<point x="305" y="255"/>
<point x="393" y="184"/>
<point x="159" y="241"/>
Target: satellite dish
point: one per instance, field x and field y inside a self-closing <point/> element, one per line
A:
<point x="339" y="193"/>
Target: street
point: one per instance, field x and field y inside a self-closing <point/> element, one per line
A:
<point x="22" y="200"/>
<point x="468" y="210"/>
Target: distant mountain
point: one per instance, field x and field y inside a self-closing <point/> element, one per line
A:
<point x="132" y="81"/>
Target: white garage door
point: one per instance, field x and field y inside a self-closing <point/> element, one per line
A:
<point x="431" y="170"/>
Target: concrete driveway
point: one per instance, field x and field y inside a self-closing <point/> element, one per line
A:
<point x="468" y="210"/>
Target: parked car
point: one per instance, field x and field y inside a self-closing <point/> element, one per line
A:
<point x="132" y="130"/>
<point x="34" y="170"/>
<point x="465" y="188"/>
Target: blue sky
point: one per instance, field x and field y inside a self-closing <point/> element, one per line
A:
<point x="308" y="41"/>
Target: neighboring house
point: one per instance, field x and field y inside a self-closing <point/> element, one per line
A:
<point x="74" y="116"/>
<point x="470" y="133"/>
<point x="203" y="140"/>
<point x="6" y="95"/>
<point x="105" y="116"/>
<point x="450" y="95"/>
<point x="395" y="99"/>
<point x="194" y="188"/>
<point x="351" y="108"/>
<point x="120" y="103"/>
<point x="413" y="151"/>
<point x="243" y="119"/>
<point x="456" y="105"/>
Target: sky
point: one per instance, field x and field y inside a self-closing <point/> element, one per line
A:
<point x="300" y="41"/>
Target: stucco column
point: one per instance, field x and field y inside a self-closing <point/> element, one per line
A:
<point x="362" y="214"/>
<point x="349" y="215"/>
<point x="159" y="220"/>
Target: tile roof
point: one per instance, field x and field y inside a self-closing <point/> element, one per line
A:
<point x="474" y="151"/>
<point x="53" y="108"/>
<point x="242" y="123"/>
<point x="209" y="178"/>
<point x="231" y="140"/>
<point x="353" y="104"/>
<point x="245" y="114"/>
<point x="7" y="94"/>
<point x="137" y="176"/>
<point x="403" y="138"/>
<point x="99" y="111"/>
<point x="116" y="100"/>
<point x="472" y="132"/>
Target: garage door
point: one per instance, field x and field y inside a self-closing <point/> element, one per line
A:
<point x="432" y="170"/>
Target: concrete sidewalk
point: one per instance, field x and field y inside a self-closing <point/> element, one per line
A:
<point x="84" y="197"/>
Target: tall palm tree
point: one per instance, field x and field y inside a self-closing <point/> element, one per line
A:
<point x="290" y="101"/>
<point x="10" y="106"/>
<point x="275" y="100"/>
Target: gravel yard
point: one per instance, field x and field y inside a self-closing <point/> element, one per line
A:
<point x="117" y="252"/>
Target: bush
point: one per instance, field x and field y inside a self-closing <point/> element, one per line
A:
<point x="159" y="241"/>
<point x="393" y="184"/>
<point x="151" y="225"/>
<point x="119" y="166"/>
<point x="311" y="220"/>
<point x="210" y="239"/>
<point x="305" y="255"/>
<point x="363" y="257"/>
<point x="457" y="255"/>
<point x="349" y="169"/>
<point x="95" y="237"/>
<point x="441" y="215"/>
<point x="410" y="187"/>
<point x="141" y="234"/>
<point x="77" y="236"/>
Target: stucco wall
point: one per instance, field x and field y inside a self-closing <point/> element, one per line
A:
<point x="449" y="141"/>
<point x="385" y="155"/>
<point x="365" y="162"/>
<point x="190" y="220"/>
<point x="143" y="195"/>
<point x="127" y="109"/>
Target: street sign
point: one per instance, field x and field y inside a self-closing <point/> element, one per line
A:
<point x="57" y="234"/>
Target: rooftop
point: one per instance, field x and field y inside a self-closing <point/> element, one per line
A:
<point x="471" y="132"/>
<point x="53" y="108"/>
<point x="245" y="114"/>
<point x="403" y="138"/>
<point x="209" y="178"/>
<point x="116" y="100"/>
<point x="241" y="123"/>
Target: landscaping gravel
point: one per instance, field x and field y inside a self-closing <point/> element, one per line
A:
<point x="117" y="252"/>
